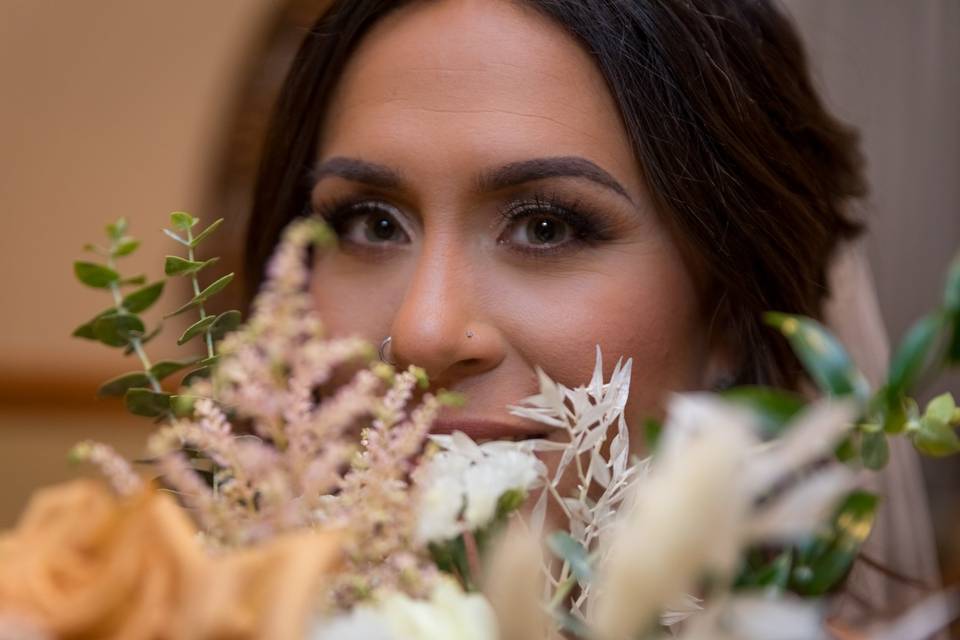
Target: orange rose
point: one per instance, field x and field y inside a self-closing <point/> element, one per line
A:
<point x="84" y="564"/>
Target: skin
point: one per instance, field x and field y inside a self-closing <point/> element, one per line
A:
<point x="439" y="93"/>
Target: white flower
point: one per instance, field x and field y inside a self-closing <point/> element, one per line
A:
<point x="449" y="614"/>
<point x="461" y="485"/>
<point x="697" y="510"/>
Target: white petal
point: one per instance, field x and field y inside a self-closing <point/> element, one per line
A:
<point x="802" y="508"/>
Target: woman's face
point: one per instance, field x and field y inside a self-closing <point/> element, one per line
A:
<point x="492" y="216"/>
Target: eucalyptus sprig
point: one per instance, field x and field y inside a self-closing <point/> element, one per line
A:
<point x="120" y="326"/>
<point x="930" y="347"/>
<point x="210" y="327"/>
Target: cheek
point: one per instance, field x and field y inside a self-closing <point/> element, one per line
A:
<point x="355" y="300"/>
<point x="642" y="307"/>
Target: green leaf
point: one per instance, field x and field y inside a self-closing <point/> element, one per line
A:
<point x="182" y="406"/>
<point x="144" y="402"/>
<point x="202" y="297"/>
<point x="225" y="323"/>
<point x="953" y="350"/>
<point x="117" y="230"/>
<point x="118" y="386"/>
<point x="510" y="500"/>
<point x="941" y="408"/>
<point x="143" y="299"/>
<point x="935" y="438"/>
<point x="200" y="237"/>
<point x="848" y="448"/>
<point x="913" y="353"/>
<point x="177" y="266"/>
<point x="822" y="564"/>
<point x="208" y="362"/>
<point x="951" y="293"/>
<point x="125" y="246"/>
<point x="572" y="552"/>
<point x="770" y="574"/>
<point x="116" y="329"/>
<point x="86" y="329"/>
<point x="196" y="374"/>
<point x="196" y="329"/>
<point x="875" y="451"/>
<point x="652" y="429"/>
<point x="95" y="275"/>
<point x="182" y="220"/>
<point x="775" y="408"/>
<point x="135" y="280"/>
<point x="822" y="355"/>
<point x="165" y="368"/>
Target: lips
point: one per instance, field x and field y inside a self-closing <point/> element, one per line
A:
<point x="482" y="430"/>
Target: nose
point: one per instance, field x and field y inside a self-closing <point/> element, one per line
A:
<point x="440" y="324"/>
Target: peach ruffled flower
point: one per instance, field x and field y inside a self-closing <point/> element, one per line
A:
<point x="83" y="563"/>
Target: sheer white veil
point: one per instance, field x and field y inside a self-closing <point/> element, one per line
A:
<point x="902" y="539"/>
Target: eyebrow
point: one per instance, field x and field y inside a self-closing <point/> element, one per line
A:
<point x="509" y="175"/>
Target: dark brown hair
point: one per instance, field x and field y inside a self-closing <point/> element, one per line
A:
<point x="745" y="165"/>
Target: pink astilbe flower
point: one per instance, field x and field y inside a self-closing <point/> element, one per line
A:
<point x="270" y="446"/>
<point x="114" y="467"/>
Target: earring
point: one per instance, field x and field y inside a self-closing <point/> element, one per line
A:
<point x="383" y="348"/>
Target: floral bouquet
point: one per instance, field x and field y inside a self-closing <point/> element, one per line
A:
<point x="297" y="491"/>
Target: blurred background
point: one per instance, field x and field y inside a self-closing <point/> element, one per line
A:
<point x="137" y="108"/>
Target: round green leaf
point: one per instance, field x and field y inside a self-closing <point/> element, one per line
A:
<point x="125" y="246"/>
<point x="935" y="438"/>
<point x="144" y="402"/>
<point x="118" y="386"/>
<point x="117" y="230"/>
<point x="86" y="329"/>
<point x="95" y="275"/>
<point x="196" y="374"/>
<point x="196" y="329"/>
<point x="143" y="299"/>
<point x="225" y="323"/>
<point x="177" y="266"/>
<point x="116" y="330"/>
<point x="165" y="368"/>
<point x="182" y="220"/>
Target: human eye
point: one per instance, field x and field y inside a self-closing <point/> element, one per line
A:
<point x="546" y="225"/>
<point x="365" y="223"/>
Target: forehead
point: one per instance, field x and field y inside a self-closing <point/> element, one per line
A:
<point x="471" y="82"/>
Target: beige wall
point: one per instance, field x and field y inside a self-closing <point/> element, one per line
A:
<point x="107" y="108"/>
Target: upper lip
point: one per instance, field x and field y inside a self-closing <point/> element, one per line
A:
<point x="485" y="429"/>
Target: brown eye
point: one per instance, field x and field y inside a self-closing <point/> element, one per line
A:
<point x="540" y="230"/>
<point x="369" y="223"/>
<point x="382" y="228"/>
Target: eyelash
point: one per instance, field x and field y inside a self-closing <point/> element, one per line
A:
<point x="588" y="228"/>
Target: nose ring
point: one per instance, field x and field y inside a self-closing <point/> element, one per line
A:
<point x="383" y="349"/>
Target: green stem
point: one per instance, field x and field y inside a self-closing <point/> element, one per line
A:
<point x="196" y="291"/>
<point x="135" y="343"/>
